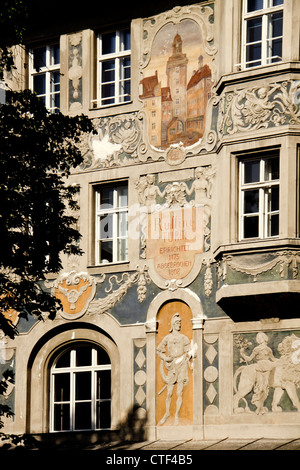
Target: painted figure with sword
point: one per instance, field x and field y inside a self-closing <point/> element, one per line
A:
<point x="175" y="352"/>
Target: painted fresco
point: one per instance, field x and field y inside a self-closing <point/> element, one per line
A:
<point x="176" y="86"/>
<point x="174" y="378"/>
<point x="266" y="372"/>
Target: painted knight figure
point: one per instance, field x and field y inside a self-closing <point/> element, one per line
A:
<point x="176" y="352"/>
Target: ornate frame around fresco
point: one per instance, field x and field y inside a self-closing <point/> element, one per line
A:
<point x="203" y="16"/>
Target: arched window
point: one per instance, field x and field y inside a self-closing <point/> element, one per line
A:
<point x="81" y="389"/>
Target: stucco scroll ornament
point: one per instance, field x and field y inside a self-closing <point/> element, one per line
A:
<point x="75" y="290"/>
<point x="264" y="371"/>
<point x="114" y="143"/>
<point x="126" y="280"/>
<point x="260" y="107"/>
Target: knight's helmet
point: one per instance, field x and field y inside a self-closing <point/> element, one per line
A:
<point x="175" y="317"/>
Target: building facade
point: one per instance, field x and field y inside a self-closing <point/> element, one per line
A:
<point x="184" y="305"/>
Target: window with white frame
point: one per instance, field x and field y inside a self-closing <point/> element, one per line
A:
<point x="259" y="196"/>
<point x="81" y="389"/>
<point x="114" y="68"/>
<point x="262" y="32"/>
<point x="45" y="75"/>
<point x="111" y="223"/>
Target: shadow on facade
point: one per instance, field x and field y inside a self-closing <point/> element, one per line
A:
<point x="131" y="429"/>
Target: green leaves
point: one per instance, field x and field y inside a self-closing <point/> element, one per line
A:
<point x="13" y="17"/>
<point x="37" y="152"/>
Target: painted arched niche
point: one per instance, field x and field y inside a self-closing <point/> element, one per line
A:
<point x="180" y="393"/>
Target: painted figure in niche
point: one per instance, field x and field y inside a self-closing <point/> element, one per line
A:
<point x="176" y="86"/>
<point x="175" y="352"/>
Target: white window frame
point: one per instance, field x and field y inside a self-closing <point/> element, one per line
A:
<point x="72" y="370"/>
<point x="48" y="70"/>
<point x="115" y="212"/>
<point x="263" y="186"/>
<point x="119" y="54"/>
<point x="264" y="13"/>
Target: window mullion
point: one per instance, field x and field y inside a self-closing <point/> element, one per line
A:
<point x="47" y="78"/>
<point x="264" y="39"/>
<point x="93" y="397"/>
<point x="241" y="204"/>
<point x="52" y="378"/>
<point x="115" y="235"/>
<point x="72" y="390"/>
<point x="117" y="80"/>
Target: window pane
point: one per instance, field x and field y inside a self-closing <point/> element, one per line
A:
<point x="106" y="226"/>
<point x="272" y="169"/>
<point x="277" y="2"/>
<point x="102" y="357"/>
<point x="273" y="199"/>
<point x="62" y="387"/>
<point x="255" y="5"/>
<point x="108" y="43"/>
<point x="108" y="94"/>
<point x="254" y="29"/>
<point x="39" y="58"/>
<point x="39" y="84"/>
<point x="108" y="71"/>
<point x="83" y="386"/>
<point x="83" y="415"/>
<point x="276" y="50"/>
<point x="103" y="415"/>
<point x="55" y="81"/>
<point x="251" y="171"/>
<point x="106" y="252"/>
<point x="124" y="91"/>
<point x="251" y="201"/>
<point x="122" y="225"/>
<point x="251" y="227"/>
<point x="275" y="25"/>
<point x="61" y="417"/>
<point x="273" y="228"/>
<point x="253" y="55"/>
<point x="54" y="54"/>
<point x="125" y="40"/>
<point x="122" y="196"/>
<point x="122" y="250"/>
<point x="103" y="384"/>
<point x="64" y="360"/>
<point x="107" y="198"/>
<point x="56" y="102"/>
<point x="83" y="356"/>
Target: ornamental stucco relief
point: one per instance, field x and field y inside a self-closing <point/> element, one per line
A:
<point x="259" y="107"/>
<point x="75" y="71"/>
<point x="252" y="267"/>
<point x="115" y="142"/>
<point x="175" y="228"/>
<point x="269" y="377"/>
<point x="77" y="291"/>
<point x="177" y="111"/>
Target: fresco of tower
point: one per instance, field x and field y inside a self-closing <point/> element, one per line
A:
<point x="176" y="86"/>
